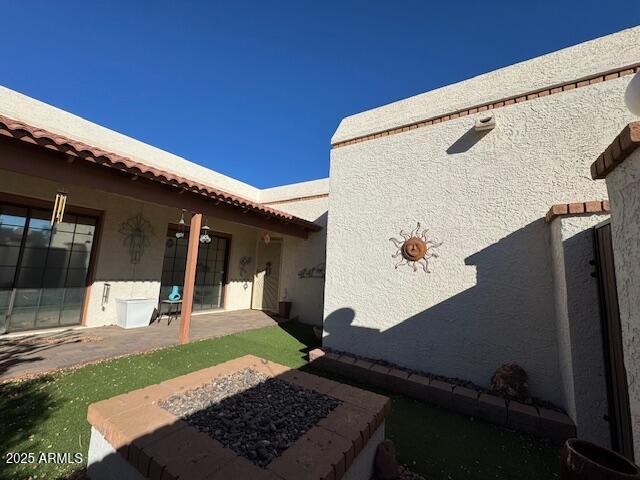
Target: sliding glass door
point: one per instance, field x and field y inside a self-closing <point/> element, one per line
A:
<point x="210" y="270"/>
<point x="43" y="268"/>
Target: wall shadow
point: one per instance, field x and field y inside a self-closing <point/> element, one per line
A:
<point x="467" y="141"/>
<point x="507" y="316"/>
<point x="23" y="407"/>
<point x="19" y="350"/>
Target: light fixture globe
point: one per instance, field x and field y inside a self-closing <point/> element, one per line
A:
<point x="204" y="237"/>
<point x="632" y="95"/>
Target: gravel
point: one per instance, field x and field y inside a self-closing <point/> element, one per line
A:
<point x="256" y="416"/>
<point x="408" y="474"/>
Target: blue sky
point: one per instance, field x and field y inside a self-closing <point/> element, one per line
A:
<point x="256" y="89"/>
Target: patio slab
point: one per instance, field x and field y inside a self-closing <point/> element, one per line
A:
<point x="36" y="354"/>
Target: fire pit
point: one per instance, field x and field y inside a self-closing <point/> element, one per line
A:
<point x="246" y="418"/>
<point x="256" y="416"/>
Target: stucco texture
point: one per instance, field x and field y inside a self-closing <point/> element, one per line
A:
<point x="300" y="284"/>
<point x="580" y="346"/>
<point x="489" y="299"/>
<point x="624" y="196"/>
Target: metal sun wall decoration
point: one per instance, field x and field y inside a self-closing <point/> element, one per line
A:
<point x="136" y="232"/>
<point x="415" y="248"/>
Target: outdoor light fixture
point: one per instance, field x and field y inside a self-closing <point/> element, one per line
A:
<point x="632" y="95"/>
<point x="204" y="236"/>
<point x="180" y="233"/>
<point x="484" y="124"/>
<point x="266" y="238"/>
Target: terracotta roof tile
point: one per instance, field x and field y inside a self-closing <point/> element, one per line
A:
<point x="27" y="133"/>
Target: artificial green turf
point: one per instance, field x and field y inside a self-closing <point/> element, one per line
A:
<point x="49" y="414"/>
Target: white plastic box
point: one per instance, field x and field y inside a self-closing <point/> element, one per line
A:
<point x="135" y="312"/>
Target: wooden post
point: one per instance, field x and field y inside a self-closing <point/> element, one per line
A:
<point x="190" y="277"/>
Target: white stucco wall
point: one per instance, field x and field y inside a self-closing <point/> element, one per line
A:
<point x="579" y="333"/>
<point x="489" y="299"/>
<point x="624" y="196"/>
<point x="606" y="53"/>
<point x="304" y="291"/>
<point x="294" y="191"/>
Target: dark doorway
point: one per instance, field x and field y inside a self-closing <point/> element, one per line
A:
<point x="617" y="389"/>
<point x="211" y="269"/>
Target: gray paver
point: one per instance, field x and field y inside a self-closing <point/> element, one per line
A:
<point x="34" y="354"/>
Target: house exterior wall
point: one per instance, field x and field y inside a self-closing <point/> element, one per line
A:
<point x="624" y="196"/>
<point x="300" y="284"/>
<point x="113" y="265"/>
<point x="579" y="333"/>
<point x="488" y="300"/>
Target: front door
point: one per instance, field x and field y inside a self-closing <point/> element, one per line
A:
<point x="617" y="389"/>
<point x="267" y="279"/>
<point x="43" y="268"/>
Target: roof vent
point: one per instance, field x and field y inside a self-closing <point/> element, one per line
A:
<point x="485" y="123"/>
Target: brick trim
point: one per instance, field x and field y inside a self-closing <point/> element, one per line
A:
<point x="616" y="153"/>
<point x="508" y="413"/>
<point x="159" y="445"/>
<point x="576" y="208"/>
<point x="492" y="105"/>
<point x="296" y="199"/>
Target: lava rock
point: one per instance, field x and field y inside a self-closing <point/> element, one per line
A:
<point x="385" y="466"/>
<point x="511" y="381"/>
<point x="256" y="416"/>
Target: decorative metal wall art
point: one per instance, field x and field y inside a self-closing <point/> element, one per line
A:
<point x="415" y="248"/>
<point x="245" y="261"/>
<point x="313" y="272"/>
<point x="136" y="232"/>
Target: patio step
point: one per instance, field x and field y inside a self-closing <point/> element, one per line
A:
<point x="538" y="421"/>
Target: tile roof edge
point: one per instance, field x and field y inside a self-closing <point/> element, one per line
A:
<point x="22" y="131"/>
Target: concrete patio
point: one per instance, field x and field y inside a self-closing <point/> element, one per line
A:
<point x="30" y="355"/>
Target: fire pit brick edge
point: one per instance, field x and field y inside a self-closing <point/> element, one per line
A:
<point x="159" y="445"/>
